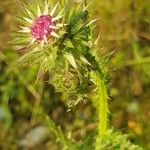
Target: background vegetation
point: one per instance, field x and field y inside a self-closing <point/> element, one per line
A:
<point x="124" y="28"/>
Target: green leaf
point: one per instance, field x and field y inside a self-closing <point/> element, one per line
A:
<point x="71" y="59"/>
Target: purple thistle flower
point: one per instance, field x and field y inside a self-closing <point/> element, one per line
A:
<point x="42" y="26"/>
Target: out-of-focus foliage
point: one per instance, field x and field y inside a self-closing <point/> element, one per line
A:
<point x="117" y="141"/>
<point x="124" y="28"/>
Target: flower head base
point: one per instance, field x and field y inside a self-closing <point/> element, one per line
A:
<point x="42" y="25"/>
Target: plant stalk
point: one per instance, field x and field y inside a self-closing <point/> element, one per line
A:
<point x="99" y="99"/>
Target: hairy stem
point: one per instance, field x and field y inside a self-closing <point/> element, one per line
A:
<point x="102" y="113"/>
<point x="99" y="99"/>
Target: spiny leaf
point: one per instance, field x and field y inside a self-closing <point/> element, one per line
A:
<point x="71" y="59"/>
<point x="84" y="60"/>
<point x="92" y="21"/>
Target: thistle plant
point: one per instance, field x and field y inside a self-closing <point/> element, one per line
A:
<point x="59" y="39"/>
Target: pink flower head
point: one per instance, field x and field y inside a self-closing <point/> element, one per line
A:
<point x="42" y="26"/>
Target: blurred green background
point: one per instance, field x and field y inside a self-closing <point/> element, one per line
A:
<point x="124" y="28"/>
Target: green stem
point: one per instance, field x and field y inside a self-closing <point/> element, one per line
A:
<point x="99" y="99"/>
<point x="102" y="113"/>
